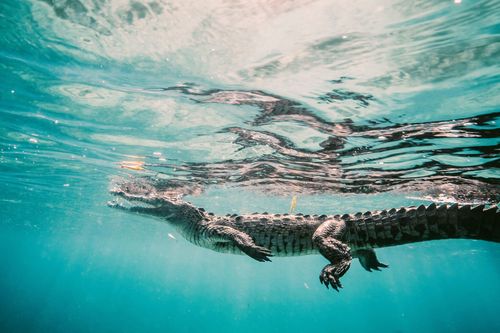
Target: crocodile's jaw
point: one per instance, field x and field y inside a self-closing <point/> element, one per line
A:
<point x="134" y="203"/>
<point x="142" y="198"/>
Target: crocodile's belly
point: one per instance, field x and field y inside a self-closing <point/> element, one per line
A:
<point x="281" y="237"/>
<point x="278" y="247"/>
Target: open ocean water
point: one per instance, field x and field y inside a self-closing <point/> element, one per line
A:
<point x="346" y="105"/>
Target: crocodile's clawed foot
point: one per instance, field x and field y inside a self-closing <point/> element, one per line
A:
<point x="331" y="274"/>
<point x="240" y="239"/>
<point x="258" y="253"/>
<point x="368" y="259"/>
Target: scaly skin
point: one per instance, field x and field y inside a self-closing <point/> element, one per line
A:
<point x="337" y="237"/>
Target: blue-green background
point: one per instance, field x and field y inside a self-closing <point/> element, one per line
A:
<point x="74" y="102"/>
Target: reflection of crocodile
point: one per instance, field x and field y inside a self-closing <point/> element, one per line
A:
<point x="342" y="156"/>
<point x="337" y="237"/>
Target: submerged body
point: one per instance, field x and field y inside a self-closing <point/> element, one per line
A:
<point x="292" y="235"/>
<point x="337" y="237"/>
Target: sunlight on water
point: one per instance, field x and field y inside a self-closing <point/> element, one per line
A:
<point x="244" y="105"/>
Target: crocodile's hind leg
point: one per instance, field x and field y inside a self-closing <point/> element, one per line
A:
<point x="368" y="259"/>
<point x="240" y="239"/>
<point x="327" y="239"/>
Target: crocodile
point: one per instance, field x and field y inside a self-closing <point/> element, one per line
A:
<point x="339" y="238"/>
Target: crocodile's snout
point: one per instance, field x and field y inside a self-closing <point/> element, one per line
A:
<point x="134" y="193"/>
<point x="133" y="188"/>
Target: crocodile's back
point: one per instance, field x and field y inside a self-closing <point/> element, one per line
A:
<point x="285" y="235"/>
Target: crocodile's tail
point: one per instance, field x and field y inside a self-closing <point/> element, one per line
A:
<point x="478" y="222"/>
<point x="414" y="224"/>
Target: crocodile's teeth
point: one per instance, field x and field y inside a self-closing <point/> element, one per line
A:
<point x="128" y="203"/>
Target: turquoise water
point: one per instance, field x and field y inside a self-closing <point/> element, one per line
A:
<point x="348" y="106"/>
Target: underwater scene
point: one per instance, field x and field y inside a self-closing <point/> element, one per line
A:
<point x="249" y="166"/>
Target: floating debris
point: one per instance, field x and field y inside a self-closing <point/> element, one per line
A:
<point x="132" y="165"/>
<point x="293" y="204"/>
<point x="171" y="236"/>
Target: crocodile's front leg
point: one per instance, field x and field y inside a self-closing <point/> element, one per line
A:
<point x="327" y="239"/>
<point x="242" y="241"/>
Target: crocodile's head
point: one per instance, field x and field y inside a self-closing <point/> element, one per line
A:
<point x="143" y="196"/>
